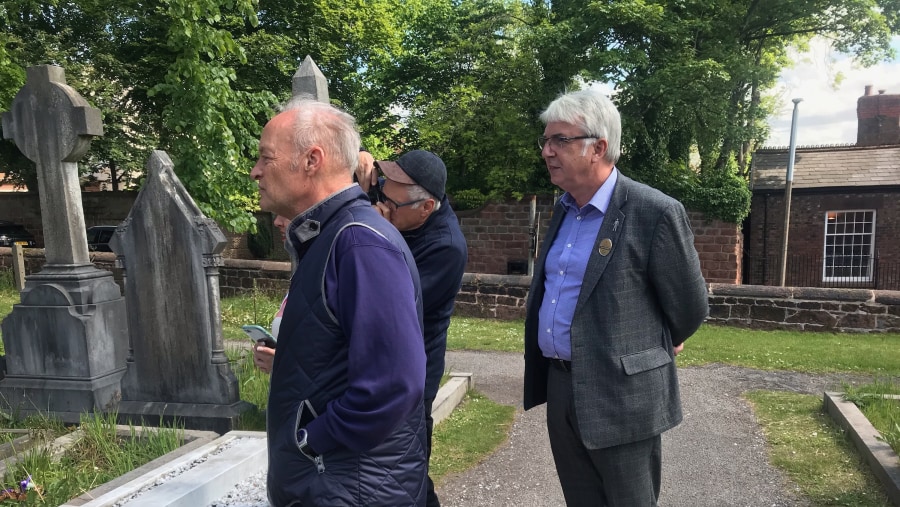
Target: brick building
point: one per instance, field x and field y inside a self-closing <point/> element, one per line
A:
<point x="845" y="208"/>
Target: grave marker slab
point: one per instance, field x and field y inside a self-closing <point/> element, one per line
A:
<point x="65" y="341"/>
<point x="176" y="363"/>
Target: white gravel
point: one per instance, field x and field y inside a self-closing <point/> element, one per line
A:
<point x="251" y="492"/>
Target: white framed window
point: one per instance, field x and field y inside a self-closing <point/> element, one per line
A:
<point x="849" y="246"/>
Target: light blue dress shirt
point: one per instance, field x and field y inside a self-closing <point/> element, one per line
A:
<point x="565" y="266"/>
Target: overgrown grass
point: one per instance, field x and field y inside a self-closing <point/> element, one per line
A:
<point x="257" y="308"/>
<point x="254" y="388"/>
<point x="813" y="451"/>
<point x="99" y="456"/>
<point x="881" y="411"/>
<point x="471" y="433"/>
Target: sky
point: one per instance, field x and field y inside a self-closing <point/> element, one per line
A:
<point x="827" y="114"/>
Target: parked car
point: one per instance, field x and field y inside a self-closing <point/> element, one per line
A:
<point x="98" y="237"/>
<point x="15" y="234"/>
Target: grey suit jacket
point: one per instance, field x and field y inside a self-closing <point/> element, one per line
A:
<point x="637" y="302"/>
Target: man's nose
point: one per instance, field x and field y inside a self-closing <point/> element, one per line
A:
<point x="256" y="172"/>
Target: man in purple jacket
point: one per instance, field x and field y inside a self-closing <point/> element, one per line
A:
<point x="345" y="418"/>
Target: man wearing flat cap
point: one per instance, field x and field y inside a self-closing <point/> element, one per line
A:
<point x="413" y="198"/>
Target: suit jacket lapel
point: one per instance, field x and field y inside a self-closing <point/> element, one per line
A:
<point x="613" y="225"/>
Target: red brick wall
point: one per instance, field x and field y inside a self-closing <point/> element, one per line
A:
<point x="807" y="230"/>
<point x="720" y="246"/>
<point x="498" y="234"/>
<point x="879" y="120"/>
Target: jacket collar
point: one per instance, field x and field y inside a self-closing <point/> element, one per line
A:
<point x="306" y="226"/>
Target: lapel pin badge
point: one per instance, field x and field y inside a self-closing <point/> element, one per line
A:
<point x="605" y="246"/>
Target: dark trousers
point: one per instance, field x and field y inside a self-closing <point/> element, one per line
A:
<point x="431" y="499"/>
<point x="625" y="475"/>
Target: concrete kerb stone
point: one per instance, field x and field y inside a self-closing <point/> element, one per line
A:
<point x="450" y="395"/>
<point x="882" y="460"/>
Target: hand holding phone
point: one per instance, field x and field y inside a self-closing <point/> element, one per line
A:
<point x="259" y="334"/>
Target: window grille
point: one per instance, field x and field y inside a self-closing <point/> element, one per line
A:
<point x="849" y="246"/>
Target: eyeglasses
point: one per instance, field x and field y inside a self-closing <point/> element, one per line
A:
<point x="556" y="141"/>
<point x="396" y="205"/>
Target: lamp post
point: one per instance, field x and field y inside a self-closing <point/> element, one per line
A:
<point x="788" y="185"/>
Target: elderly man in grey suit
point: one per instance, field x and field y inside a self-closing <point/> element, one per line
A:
<point x="616" y="291"/>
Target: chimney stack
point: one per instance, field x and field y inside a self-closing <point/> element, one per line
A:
<point x="878" y="118"/>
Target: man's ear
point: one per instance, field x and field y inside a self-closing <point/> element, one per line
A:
<point x="600" y="147"/>
<point x="428" y="205"/>
<point x="314" y="159"/>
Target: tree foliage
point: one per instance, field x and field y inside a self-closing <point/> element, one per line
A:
<point x="466" y="79"/>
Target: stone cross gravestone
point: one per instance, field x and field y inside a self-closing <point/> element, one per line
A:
<point x="171" y="252"/>
<point x="65" y="341"/>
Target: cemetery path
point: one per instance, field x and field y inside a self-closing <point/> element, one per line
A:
<point x="716" y="457"/>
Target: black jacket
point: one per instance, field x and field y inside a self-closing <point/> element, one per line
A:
<point x="439" y="248"/>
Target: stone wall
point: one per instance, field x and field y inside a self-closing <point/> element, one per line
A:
<point x="493" y="296"/>
<point x="805" y="309"/>
<point x="504" y="296"/>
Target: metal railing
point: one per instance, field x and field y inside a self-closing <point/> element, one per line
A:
<point x="807" y="271"/>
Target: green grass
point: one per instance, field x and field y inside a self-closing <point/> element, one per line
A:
<point x="254" y="388"/>
<point x="874" y="354"/>
<point x="469" y="333"/>
<point x="813" y="451"/>
<point x="258" y="308"/>
<point x="471" y="433"/>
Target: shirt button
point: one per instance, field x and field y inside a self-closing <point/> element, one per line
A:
<point x="562" y="272"/>
<point x="578" y="217"/>
<point x="553" y="301"/>
<point x="548" y="329"/>
<point x="569" y="245"/>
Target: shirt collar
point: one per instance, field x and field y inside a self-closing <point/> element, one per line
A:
<point x="600" y="199"/>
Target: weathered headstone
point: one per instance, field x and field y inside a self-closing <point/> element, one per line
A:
<point x="309" y="82"/>
<point x="171" y="252"/>
<point x="65" y="341"/>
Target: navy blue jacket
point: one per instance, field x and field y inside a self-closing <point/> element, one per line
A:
<point x="348" y="370"/>
<point x="439" y="248"/>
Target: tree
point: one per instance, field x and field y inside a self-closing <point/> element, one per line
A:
<point x="691" y="74"/>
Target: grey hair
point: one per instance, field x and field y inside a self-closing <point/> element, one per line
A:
<point x="416" y="192"/>
<point x="593" y="112"/>
<point x="321" y="124"/>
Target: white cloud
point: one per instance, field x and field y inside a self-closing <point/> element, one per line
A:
<point x="829" y="84"/>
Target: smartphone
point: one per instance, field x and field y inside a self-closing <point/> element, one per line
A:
<point x="259" y="334"/>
